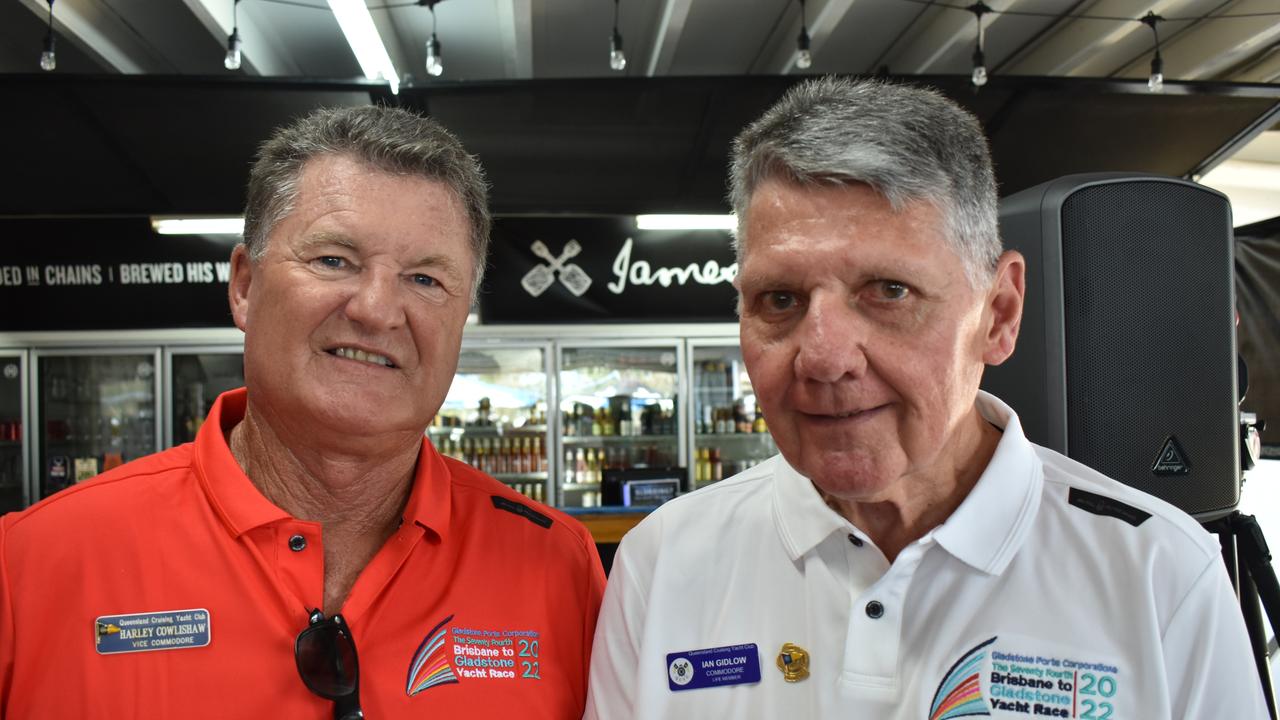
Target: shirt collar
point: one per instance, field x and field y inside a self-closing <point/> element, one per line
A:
<point x="803" y="518"/>
<point x="242" y="507"/>
<point x="993" y="521"/>
<point x="984" y="532"/>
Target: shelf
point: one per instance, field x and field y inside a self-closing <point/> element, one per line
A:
<point x="731" y="437"/>
<point x="601" y="440"/>
<point x="521" y="477"/>
<point x="488" y="430"/>
<point x="573" y="487"/>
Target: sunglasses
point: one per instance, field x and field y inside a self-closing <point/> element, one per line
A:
<point x="325" y="652"/>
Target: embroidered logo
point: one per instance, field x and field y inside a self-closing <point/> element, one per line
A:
<point x="960" y="692"/>
<point x="430" y="666"/>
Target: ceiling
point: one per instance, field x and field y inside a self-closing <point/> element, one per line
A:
<point x="140" y="115"/>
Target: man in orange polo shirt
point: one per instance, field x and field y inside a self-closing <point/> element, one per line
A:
<point x="309" y="555"/>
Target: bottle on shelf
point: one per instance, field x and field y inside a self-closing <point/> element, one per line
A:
<point x="717" y="468"/>
<point x="758" y="425"/>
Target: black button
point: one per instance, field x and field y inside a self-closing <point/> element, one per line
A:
<point x="297" y="543"/>
<point x="875" y="610"/>
<point x="857" y="541"/>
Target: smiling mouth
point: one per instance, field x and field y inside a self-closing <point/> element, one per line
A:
<point x="361" y="356"/>
<point x="851" y="414"/>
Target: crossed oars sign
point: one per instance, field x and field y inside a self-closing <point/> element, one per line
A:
<point x="536" y="281"/>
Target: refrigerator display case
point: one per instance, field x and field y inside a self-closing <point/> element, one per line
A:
<point x="729" y="430"/>
<point x="495" y="416"/>
<point x="13" y="431"/>
<point x="196" y="377"/>
<point x="619" y="409"/>
<point x="95" y="410"/>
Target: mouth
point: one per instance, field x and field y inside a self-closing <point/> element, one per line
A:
<point x="363" y="356"/>
<point x="836" y="417"/>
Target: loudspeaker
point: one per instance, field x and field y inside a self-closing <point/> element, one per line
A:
<point x="1126" y="359"/>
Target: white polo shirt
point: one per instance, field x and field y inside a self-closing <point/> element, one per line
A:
<point x="1052" y="591"/>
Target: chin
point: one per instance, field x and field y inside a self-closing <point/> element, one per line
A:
<point x="848" y="476"/>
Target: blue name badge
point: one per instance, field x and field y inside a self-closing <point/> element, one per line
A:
<point x="143" y="632"/>
<point x="713" y="667"/>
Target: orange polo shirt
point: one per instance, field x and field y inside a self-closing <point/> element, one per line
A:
<point x="170" y="587"/>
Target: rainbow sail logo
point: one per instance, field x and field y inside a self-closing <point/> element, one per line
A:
<point x="960" y="692"/>
<point x="430" y="666"/>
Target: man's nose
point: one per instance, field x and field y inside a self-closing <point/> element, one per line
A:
<point x="376" y="300"/>
<point x="831" y="339"/>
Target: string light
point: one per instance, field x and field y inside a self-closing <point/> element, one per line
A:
<point x="804" y="58"/>
<point x="232" y="60"/>
<point x="49" y="59"/>
<point x="1155" y="83"/>
<point x="979" y="75"/>
<point x="435" y="61"/>
<point x="617" y="58"/>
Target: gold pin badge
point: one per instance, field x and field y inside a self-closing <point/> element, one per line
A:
<point x="793" y="661"/>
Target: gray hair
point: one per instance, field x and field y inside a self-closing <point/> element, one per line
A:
<point x="388" y="139"/>
<point x="907" y="143"/>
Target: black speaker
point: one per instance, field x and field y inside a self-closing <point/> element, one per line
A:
<point x="1126" y="360"/>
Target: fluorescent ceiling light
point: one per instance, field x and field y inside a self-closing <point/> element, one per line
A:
<point x="357" y="25"/>
<point x="1244" y="174"/>
<point x="198" y="226"/>
<point x="687" y="222"/>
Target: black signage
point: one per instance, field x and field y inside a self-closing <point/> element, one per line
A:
<point x="110" y="273"/>
<point x="604" y="269"/>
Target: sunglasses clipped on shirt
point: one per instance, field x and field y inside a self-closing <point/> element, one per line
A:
<point x="325" y="652"/>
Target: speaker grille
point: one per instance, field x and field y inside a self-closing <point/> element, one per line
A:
<point x="1147" y="294"/>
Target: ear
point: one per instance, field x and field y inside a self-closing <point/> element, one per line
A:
<point x="1004" y="307"/>
<point x="241" y="278"/>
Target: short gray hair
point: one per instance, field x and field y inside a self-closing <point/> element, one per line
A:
<point x="391" y="140"/>
<point x="907" y="143"/>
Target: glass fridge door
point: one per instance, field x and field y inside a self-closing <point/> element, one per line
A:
<point x="619" y="409"/>
<point x="96" y="410"/>
<point x="730" y="433"/>
<point x="197" y="376"/>
<point x="13" y="435"/>
<point x="495" y="416"/>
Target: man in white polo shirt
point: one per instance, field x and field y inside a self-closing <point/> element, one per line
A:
<point x="909" y="554"/>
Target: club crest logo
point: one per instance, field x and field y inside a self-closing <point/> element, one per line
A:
<point x="430" y="666"/>
<point x="960" y="692"/>
<point x="681" y="671"/>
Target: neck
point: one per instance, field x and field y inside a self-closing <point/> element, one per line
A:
<point x="358" y="499"/>
<point x="922" y="501"/>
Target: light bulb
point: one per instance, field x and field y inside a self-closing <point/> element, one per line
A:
<point x="435" y="67"/>
<point x="979" y="76"/>
<point x="617" y="58"/>
<point x="232" y="60"/>
<point x="48" y="60"/>
<point x="804" y="58"/>
<point x="1155" y="83"/>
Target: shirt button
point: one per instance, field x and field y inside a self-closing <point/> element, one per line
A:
<point x="857" y="541"/>
<point x="297" y="543"/>
<point x="875" y="610"/>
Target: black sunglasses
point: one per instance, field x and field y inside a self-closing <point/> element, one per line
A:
<point x="326" y="655"/>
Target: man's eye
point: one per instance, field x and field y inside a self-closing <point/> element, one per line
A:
<point x="331" y="261"/>
<point x="778" y="301"/>
<point x="425" y="280"/>
<point x="890" y="290"/>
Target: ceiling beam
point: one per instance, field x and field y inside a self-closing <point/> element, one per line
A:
<point x="823" y="19"/>
<point x="100" y="32"/>
<point x="667" y="37"/>
<point x="515" y="24"/>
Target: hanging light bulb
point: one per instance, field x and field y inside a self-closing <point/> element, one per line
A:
<point x="979" y="75"/>
<point x="804" y="58"/>
<point x="435" y="64"/>
<point x="1155" y="82"/>
<point x="232" y="60"/>
<point x="48" y="59"/>
<point x="617" y="58"/>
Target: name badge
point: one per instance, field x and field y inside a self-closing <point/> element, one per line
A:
<point x="713" y="667"/>
<point x="143" y="632"/>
